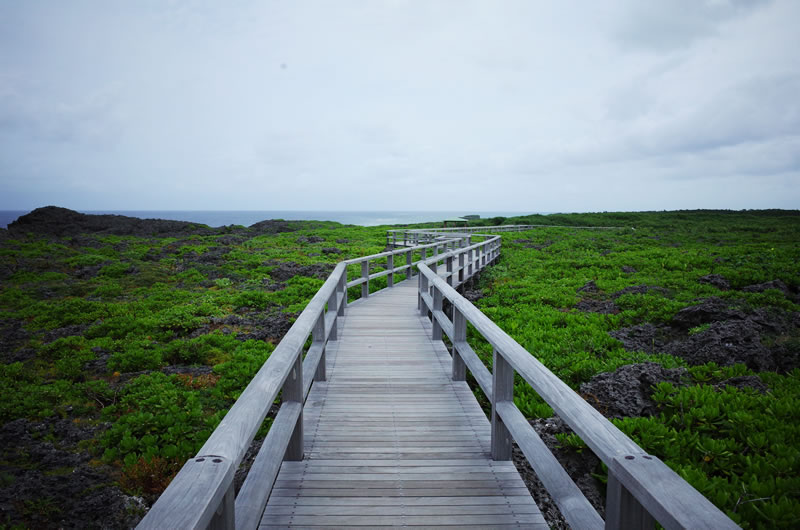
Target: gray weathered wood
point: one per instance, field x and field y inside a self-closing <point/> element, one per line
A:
<point x="623" y="511"/>
<point x="503" y="386"/>
<point x="365" y="278"/>
<point x="436" y="333"/>
<point x="390" y="267"/>
<point x="573" y="505"/>
<point x="203" y="483"/>
<point x="257" y="486"/>
<point x="293" y="392"/>
<point x="476" y="367"/>
<point x="319" y="336"/>
<point x="665" y="495"/>
<point x="459" y="369"/>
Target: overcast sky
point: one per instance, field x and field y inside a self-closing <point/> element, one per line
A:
<point x="498" y="105"/>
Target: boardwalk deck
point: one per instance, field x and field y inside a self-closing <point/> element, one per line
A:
<point x="391" y="440"/>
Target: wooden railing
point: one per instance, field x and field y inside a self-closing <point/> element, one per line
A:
<point x="641" y="488"/>
<point x="202" y="493"/>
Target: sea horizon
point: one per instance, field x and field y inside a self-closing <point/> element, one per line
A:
<point x="216" y="218"/>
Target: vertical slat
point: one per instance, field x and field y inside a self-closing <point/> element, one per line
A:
<point x="293" y="391"/>
<point x="470" y="263"/>
<point x="461" y="268"/>
<point x="318" y="337"/>
<point x="410" y="264"/>
<point x="341" y="288"/>
<point x="459" y="335"/>
<point x="365" y="275"/>
<point x="448" y="261"/>
<point x="423" y="288"/>
<point x="502" y="390"/>
<point x="623" y="511"/>
<point x="390" y="267"/>
<point x="332" y="313"/>
<point x="225" y="518"/>
<point x="437" y="306"/>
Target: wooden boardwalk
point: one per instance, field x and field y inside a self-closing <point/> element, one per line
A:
<point x="391" y="440"/>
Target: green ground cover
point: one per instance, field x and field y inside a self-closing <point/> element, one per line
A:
<point x="150" y="339"/>
<point x="738" y="446"/>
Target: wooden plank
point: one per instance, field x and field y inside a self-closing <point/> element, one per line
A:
<point x="529" y="520"/>
<point x="389" y="430"/>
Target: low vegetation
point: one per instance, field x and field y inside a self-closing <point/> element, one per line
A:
<point x="126" y="350"/>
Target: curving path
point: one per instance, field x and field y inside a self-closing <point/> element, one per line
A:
<point x="391" y="440"/>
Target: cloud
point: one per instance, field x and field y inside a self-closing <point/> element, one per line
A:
<point x="678" y="24"/>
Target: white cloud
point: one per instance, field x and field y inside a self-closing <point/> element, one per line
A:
<point x="311" y="104"/>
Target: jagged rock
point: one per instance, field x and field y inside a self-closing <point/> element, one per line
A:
<point x="310" y="239"/>
<point x="744" y="381"/>
<point x="726" y="343"/>
<point x="275" y="226"/>
<point x="626" y="392"/>
<point x="56" y="221"/>
<point x="283" y="271"/>
<point x="640" y="289"/>
<point x="605" y="307"/>
<point x="774" y="284"/>
<point x="711" y="309"/>
<point x="589" y="288"/>
<point x="628" y="270"/>
<point x="331" y="250"/>
<point x="646" y="338"/>
<point x="717" y="280"/>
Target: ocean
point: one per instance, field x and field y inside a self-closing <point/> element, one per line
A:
<point x="247" y="218"/>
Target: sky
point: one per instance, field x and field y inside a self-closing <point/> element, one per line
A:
<point x="501" y="105"/>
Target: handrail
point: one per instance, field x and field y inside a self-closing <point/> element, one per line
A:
<point x="202" y="493"/>
<point x="640" y="488"/>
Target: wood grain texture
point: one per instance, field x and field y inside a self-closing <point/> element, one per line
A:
<point x="391" y="439"/>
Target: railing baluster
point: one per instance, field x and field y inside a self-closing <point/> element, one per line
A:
<point x="448" y="261"/>
<point x="224" y="517"/>
<point x="502" y="390"/>
<point x="293" y="391"/>
<point x="390" y="267"/>
<point x="459" y="335"/>
<point x="365" y="276"/>
<point x="623" y="511"/>
<point x="410" y="264"/>
<point x="461" y="268"/>
<point x="318" y="337"/>
<point x="341" y="288"/>
<point x="437" y="306"/>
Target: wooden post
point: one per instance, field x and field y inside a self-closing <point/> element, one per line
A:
<point x="318" y="337"/>
<point x="423" y="288"/>
<point x="365" y="276"/>
<point x="437" y="306"/>
<point x="224" y="517"/>
<point x="293" y="391"/>
<point x="332" y="313"/>
<point x="459" y="335"/>
<point x="341" y="288"/>
<point x="470" y="262"/>
<point x="502" y="390"/>
<point x="449" y="267"/>
<point x="410" y="264"/>
<point x="623" y="511"/>
<point x="390" y="267"/>
<point x="461" y="268"/>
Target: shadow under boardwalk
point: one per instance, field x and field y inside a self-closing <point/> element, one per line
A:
<point x="391" y="440"/>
